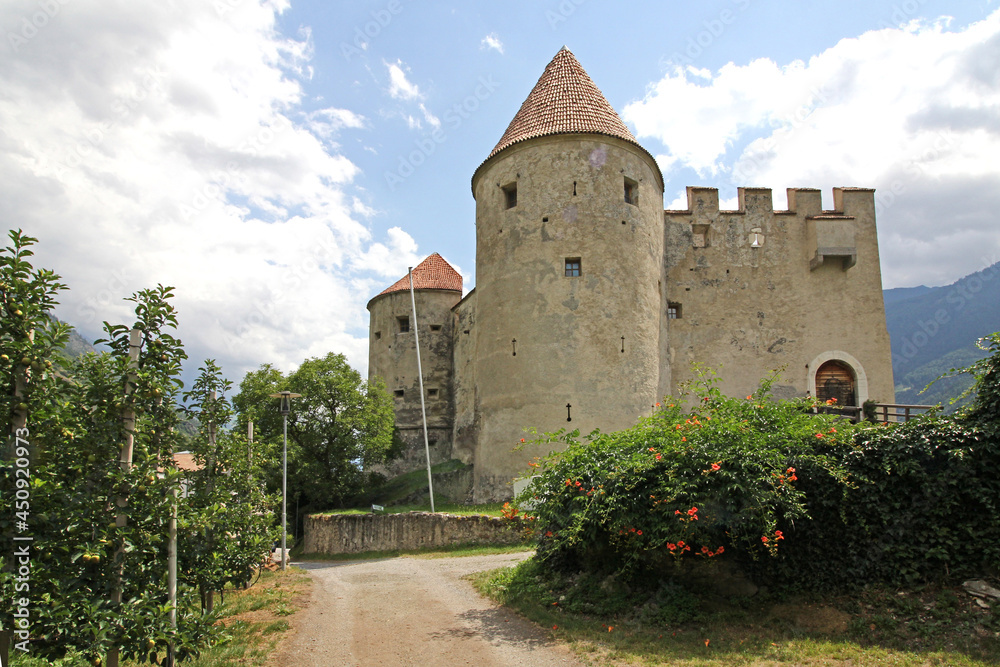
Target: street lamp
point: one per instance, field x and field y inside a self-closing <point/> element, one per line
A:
<point x="285" y="407"/>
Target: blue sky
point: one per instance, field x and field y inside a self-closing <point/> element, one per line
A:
<point x="282" y="162"/>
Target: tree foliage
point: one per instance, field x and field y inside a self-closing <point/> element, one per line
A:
<point x="338" y="428"/>
<point x="97" y="525"/>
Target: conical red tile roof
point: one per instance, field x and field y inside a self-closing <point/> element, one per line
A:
<point x="432" y="273"/>
<point x="565" y="100"/>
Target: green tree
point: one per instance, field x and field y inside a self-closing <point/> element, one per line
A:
<point x="232" y="530"/>
<point x="340" y="427"/>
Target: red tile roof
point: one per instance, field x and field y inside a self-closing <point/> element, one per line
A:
<point x="565" y="100"/>
<point x="185" y="461"/>
<point x="432" y="273"/>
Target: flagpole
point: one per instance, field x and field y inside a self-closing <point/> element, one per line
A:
<point x="420" y="378"/>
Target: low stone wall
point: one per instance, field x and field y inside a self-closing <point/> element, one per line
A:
<point x="354" y="533"/>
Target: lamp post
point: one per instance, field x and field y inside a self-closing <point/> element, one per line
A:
<point x="285" y="407"/>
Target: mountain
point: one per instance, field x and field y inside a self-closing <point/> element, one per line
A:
<point x="77" y="345"/>
<point x="933" y="329"/>
<point x="903" y="293"/>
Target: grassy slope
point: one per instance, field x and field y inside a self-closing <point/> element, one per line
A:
<point x="931" y="626"/>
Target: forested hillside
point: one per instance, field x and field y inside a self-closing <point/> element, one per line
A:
<point x="933" y="329"/>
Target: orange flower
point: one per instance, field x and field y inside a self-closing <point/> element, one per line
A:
<point x="716" y="466"/>
<point x="763" y="539"/>
<point x="684" y="439"/>
<point x="659" y="456"/>
<point x="749" y="398"/>
<point x="819" y="435"/>
<point x="638" y="532"/>
<point x="522" y="439"/>
<point x="706" y="641"/>
<point x="833" y="430"/>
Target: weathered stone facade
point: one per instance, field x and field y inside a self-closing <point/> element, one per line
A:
<point x="592" y="302"/>
<point x="356" y="533"/>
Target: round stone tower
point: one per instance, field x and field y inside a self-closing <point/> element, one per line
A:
<point x="392" y="356"/>
<point x="569" y="275"/>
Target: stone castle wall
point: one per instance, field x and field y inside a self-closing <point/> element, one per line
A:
<point x="392" y="356"/>
<point x="810" y="292"/>
<point x="552" y="351"/>
<point x="356" y="533"/>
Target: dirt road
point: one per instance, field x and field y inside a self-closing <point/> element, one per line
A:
<point x="404" y="612"/>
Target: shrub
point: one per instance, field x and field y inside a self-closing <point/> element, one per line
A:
<point x="723" y="477"/>
<point x="796" y="498"/>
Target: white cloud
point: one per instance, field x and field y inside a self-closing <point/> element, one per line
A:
<point x="910" y="111"/>
<point x="327" y="123"/>
<point x="429" y="117"/>
<point x="492" y="41"/>
<point x="400" y="87"/>
<point x="148" y="142"/>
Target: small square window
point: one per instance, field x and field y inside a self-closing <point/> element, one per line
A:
<point x="432" y="393"/>
<point x="631" y="192"/>
<point x="398" y="393"/>
<point x="378" y="335"/>
<point x="435" y="327"/>
<point x="510" y="195"/>
<point x="673" y="311"/>
<point x="404" y="323"/>
<point x="572" y="267"/>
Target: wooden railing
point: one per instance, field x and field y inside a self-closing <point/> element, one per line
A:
<point x="896" y="412"/>
<point x="884" y="412"/>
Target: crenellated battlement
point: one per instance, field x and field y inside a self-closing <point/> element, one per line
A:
<point x="703" y="202"/>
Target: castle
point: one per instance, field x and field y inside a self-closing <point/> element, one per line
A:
<point x="592" y="302"/>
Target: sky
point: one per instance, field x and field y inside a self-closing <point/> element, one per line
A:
<point x="280" y="162"/>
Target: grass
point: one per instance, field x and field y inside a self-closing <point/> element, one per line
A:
<point x="451" y="551"/>
<point x="254" y="620"/>
<point x="408" y="484"/>
<point x="488" y="509"/>
<point x="674" y="626"/>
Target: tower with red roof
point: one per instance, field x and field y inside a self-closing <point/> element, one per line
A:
<point x="592" y="302"/>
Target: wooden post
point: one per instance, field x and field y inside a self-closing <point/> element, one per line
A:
<point x="172" y="572"/>
<point x="125" y="462"/>
<point x="210" y="594"/>
<point x="250" y="443"/>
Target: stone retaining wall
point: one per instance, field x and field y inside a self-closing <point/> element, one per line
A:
<point x="354" y="533"/>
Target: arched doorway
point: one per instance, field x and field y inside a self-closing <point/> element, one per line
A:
<point x="835" y="379"/>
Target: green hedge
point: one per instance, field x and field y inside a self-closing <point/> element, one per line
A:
<point x="798" y="498"/>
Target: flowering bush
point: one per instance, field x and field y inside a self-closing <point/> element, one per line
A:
<point x="719" y="478"/>
<point x="797" y="498"/>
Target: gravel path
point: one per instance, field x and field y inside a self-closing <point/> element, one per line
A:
<point x="416" y="612"/>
